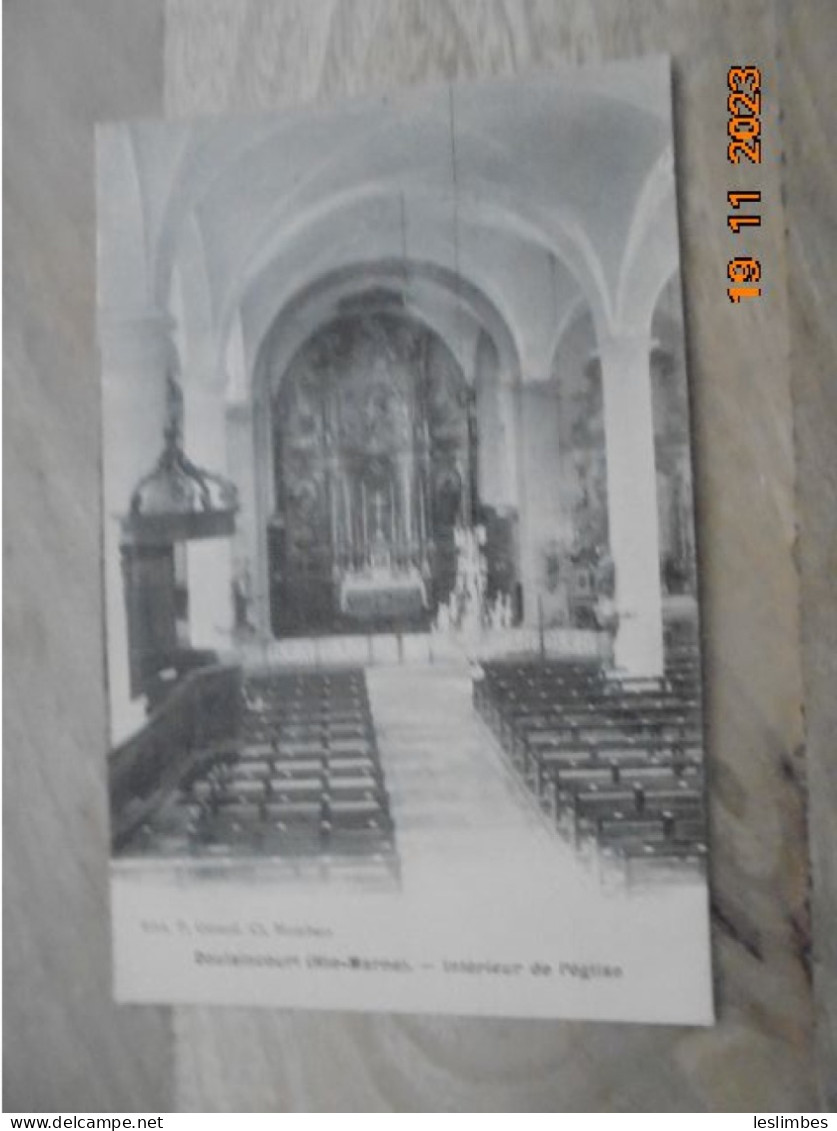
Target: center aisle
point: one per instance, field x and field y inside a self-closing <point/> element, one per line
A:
<point x="455" y="802"/>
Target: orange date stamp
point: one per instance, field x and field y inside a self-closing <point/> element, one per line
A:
<point x="744" y="145"/>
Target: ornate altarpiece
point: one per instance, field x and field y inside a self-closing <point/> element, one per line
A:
<point x="374" y="439"/>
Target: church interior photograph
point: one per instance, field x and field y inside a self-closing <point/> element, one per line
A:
<point x="398" y="508"/>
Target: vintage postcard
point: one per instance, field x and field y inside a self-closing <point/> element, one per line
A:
<point x="401" y="595"/>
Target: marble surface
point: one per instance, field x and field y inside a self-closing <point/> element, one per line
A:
<point x="765" y="427"/>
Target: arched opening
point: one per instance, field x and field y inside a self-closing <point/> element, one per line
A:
<point x="383" y="450"/>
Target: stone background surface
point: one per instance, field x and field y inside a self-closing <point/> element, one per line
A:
<point x="765" y="415"/>
<point x="67" y="1046"/>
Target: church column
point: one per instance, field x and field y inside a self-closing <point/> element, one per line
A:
<point x="632" y="502"/>
<point x="135" y="352"/>
<point x="209" y="561"/>
<point x="424" y="484"/>
<point x="405" y="464"/>
<point x="527" y="566"/>
<point x="263" y="471"/>
<point x="333" y="485"/>
<point x="507" y="472"/>
<point x="241" y="464"/>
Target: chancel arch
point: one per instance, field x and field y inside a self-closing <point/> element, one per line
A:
<point x="449" y="303"/>
<point x="367" y="440"/>
<point x="416" y="223"/>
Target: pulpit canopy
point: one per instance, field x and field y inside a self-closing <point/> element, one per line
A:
<point x="178" y="501"/>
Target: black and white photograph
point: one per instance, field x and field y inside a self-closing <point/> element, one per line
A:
<point x="403" y="635"/>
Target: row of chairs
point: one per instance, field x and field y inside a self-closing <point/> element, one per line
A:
<point x="306" y="777"/>
<point x="616" y="763"/>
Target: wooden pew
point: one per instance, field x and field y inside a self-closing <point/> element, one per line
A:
<point x="613" y="758"/>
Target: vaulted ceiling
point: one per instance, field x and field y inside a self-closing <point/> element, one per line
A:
<point x="539" y="195"/>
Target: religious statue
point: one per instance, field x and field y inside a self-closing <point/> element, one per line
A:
<point x="467" y="604"/>
<point x="242" y="594"/>
<point x="442" y="623"/>
<point x="606" y="610"/>
<point x="380" y="553"/>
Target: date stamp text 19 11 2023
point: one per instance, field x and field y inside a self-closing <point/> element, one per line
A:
<point x="744" y="145"/>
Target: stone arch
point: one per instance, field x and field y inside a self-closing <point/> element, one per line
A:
<point x="123" y="265"/>
<point x="651" y="251"/>
<point x="483" y="206"/>
<point x="200" y="173"/>
<point x="415" y="283"/>
<point x="421" y="291"/>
